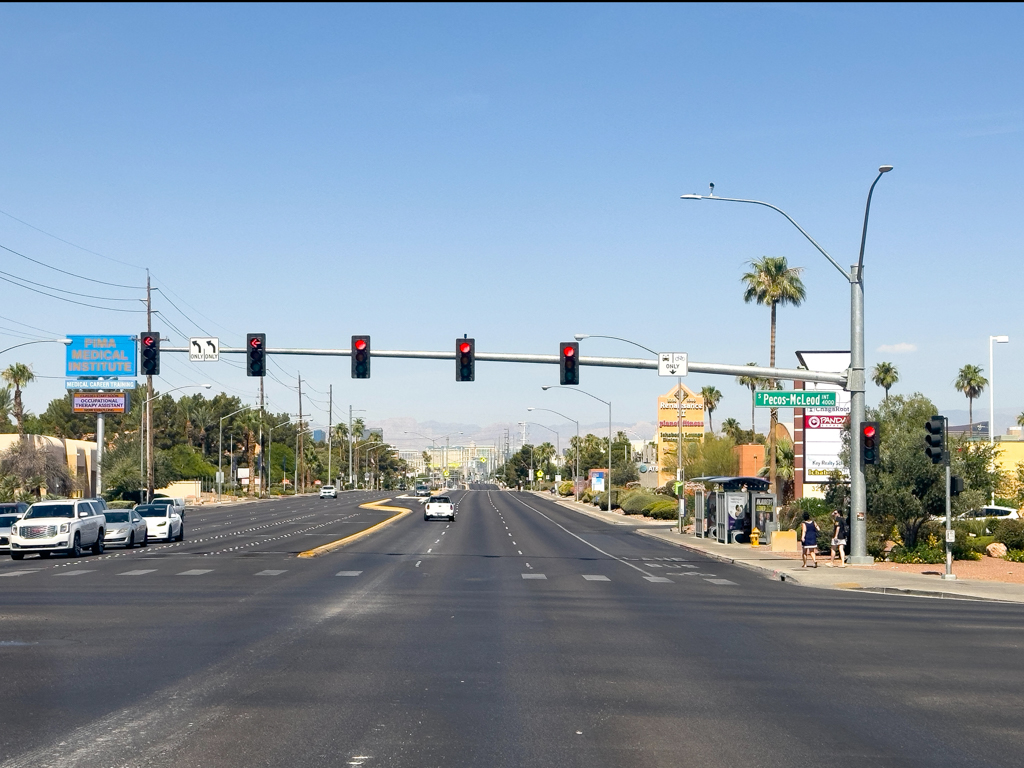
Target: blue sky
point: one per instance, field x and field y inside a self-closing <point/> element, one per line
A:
<point x="514" y="172"/>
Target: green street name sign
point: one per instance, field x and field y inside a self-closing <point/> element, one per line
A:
<point x="797" y="399"/>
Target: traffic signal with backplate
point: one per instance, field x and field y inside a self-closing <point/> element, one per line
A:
<point x="935" y="439"/>
<point x="465" y="359"/>
<point x="869" y="442"/>
<point x="360" y="357"/>
<point x="956" y="485"/>
<point x="569" y="363"/>
<point x="149" y="342"/>
<point x="256" y="356"/>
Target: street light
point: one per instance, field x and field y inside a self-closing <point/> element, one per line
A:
<point x="582" y="336"/>
<point x="608" y="403"/>
<point x="37" y="341"/>
<point x="558" y="438"/>
<point x="576" y="471"/>
<point x="142" y="444"/>
<point x="992" y="394"/>
<point x="855" y="377"/>
<point x="220" y="450"/>
<point x="270" y="447"/>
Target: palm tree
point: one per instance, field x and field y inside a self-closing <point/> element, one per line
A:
<point x="712" y="397"/>
<point x="250" y="421"/>
<point x="773" y="282"/>
<point x="885" y="375"/>
<point x="972" y="383"/>
<point x="5" y="405"/>
<point x="751" y="382"/>
<point x="1020" y="423"/>
<point x="19" y="375"/>
<point x="732" y="428"/>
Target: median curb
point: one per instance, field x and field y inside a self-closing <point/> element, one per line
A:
<point x="323" y="549"/>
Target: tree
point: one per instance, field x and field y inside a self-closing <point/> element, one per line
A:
<point x="6" y="404"/>
<point x="970" y="381"/>
<point x="751" y="382"/>
<point x="34" y="467"/>
<point x="772" y="282"/>
<point x="1020" y="422"/>
<point x="19" y="375"/>
<point x="885" y="375"/>
<point x="712" y="397"/>
<point x="732" y="428"/>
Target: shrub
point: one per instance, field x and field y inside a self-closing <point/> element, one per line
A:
<point x="1015" y="555"/>
<point x="1010" y="533"/>
<point x="565" y="489"/>
<point x="663" y="510"/>
<point x="601" y="500"/>
<point x="587" y="496"/>
<point x="636" y="503"/>
<point x="922" y="553"/>
<point x="120" y="504"/>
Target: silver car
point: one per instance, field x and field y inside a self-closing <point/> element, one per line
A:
<point x="125" y="527"/>
<point x="7" y="518"/>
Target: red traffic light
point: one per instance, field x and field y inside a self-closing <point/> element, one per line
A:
<point x="869" y="430"/>
<point x="256" y="342"/>
<point x="569" y="352"/>
<point x="360" y="344"/>
<point x="149" y="341"/>
<point x="464" y="347"/>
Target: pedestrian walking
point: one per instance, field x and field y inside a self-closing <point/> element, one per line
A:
<point x="809" y="540"/>
<point x="840" y="535"/>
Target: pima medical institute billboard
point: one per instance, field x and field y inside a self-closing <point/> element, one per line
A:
<point x="100" y="355"/>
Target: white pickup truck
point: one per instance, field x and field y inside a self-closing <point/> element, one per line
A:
<point x="59" y="526"/>
<point x="439" y="507"/>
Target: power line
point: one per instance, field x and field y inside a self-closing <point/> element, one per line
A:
<point x="72" y="274"/>
<point x="70" y="301"/>
<point x="64" y="290"/>
<point x="68" y="242"/>
<point x="34" y="328"/>
<point x="178" y="296"/>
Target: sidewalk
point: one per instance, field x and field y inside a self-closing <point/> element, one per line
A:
<point x="870" y="578"/>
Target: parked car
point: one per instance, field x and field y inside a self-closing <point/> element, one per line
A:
<point x="328" y="492"/>
<point x="991" y="512"/>
<point x="125" y="526"/>
<point x="439" y="506"/>
<point x="17" y="508"/>
<point x="177" y="504"/>
<point x="59" y="526"/>
<point x="162" y="522"/>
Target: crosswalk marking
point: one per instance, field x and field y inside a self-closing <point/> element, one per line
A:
<point x="195" y="572"/>
<point x="270" y="573"/>
<point x="595" y="578"/>
<point x="17" y="573"/>
<point x="74" y="573"/>
<point x="723" y="582"/>
<point x="138" y="573"/>
<point x="348" y="573"/>
<point x="534" y="576"/>
<point x="658" y="579"/>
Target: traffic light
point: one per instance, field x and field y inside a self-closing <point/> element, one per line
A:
<point x="256" y="358"/>
<point x="869" y="442"/>
<point x="465" y="359"/>
<point x="360" y="357"/>
<point x="956" y="485"/>
<point x="935" y="439"/>
<point x="149" y="342"/>
<point x="569" y="363"/>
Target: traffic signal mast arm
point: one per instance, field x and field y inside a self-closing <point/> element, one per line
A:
<point x="827" y="377"/>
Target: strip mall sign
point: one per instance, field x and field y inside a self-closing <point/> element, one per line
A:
<point x="827" y="421"/>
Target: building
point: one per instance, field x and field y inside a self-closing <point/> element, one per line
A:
<point x="79" y="455"/>
<point x="670" y="426"/>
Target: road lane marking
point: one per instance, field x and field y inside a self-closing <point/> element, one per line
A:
<point x="595" y="578"/>
<point x="271" y="573"/>
<point x="520" y="551"/>
<point x="19" y="573"/>
<point x="323" y="549"/>
<point x="195" y="572"/>
<point x="658" y="579"/>
<point x="534" y="576"/>
<point x="348" y="573"/>
<point x="138" y="573"/>
<point x="418" y="563"/>
<point x="722" y="581"/>
<point x="74" y="573"/>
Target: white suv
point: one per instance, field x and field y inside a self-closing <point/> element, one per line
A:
<point x="328" y="492"/>
<point x="59" y="526"/>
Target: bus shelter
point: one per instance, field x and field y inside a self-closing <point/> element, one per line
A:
<point x="733" y="508"/>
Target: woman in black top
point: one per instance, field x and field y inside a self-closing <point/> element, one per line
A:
<point x="839" y="539"/>
<point x="809" y="540"/>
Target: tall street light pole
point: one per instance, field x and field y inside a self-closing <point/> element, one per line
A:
<point x="220" y="450"/>
<point x="576" y="471"/>
<point x="609" y="404"/>
<point x="142" y="445"/>
<point x="855" y="378"/>
<point x="992" y="395"/>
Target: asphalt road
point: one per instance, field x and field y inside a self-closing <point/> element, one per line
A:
<point x="523" y="634"/>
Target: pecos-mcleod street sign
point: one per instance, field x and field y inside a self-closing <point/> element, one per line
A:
<point x="98" y="355"/>
<point x="796" y="399"/>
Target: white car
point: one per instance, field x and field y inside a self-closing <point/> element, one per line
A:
<point x="177" y="504"/>
<point x="162" y="522"/>
<point x="8" y="517"/>
<point x="58" y="526"/>
<point x="328" y="492"/>
<point x="991" y="512"/>
<point x="125" y="527"/>
<point x="439" y="506"/>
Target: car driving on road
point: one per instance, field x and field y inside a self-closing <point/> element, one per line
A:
<point x="177" y="504"/>
<point x="439" y="507"/>
<point x="125" y="527"/>
<point x="328" y="492"/>
<point x="162" y="522"/>
<point x="58" y="526"/>
<point x="422" y="490"/>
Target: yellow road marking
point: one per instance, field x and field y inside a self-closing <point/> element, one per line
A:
<point x="323" y="549"/>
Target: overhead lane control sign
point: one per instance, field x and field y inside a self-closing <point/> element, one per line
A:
<point x="796" y="399"/>
<point x="98" y="355"/>
<point x="204" y="349"/>
<point x="672" y="364"/>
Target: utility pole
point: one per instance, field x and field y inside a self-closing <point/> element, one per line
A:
<point x="150" y="473"/>
<point x="262" y="449"/>
<point x="330" y="429"/>
<point x="299" y="454"/>
<point x="680" y="474"/>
